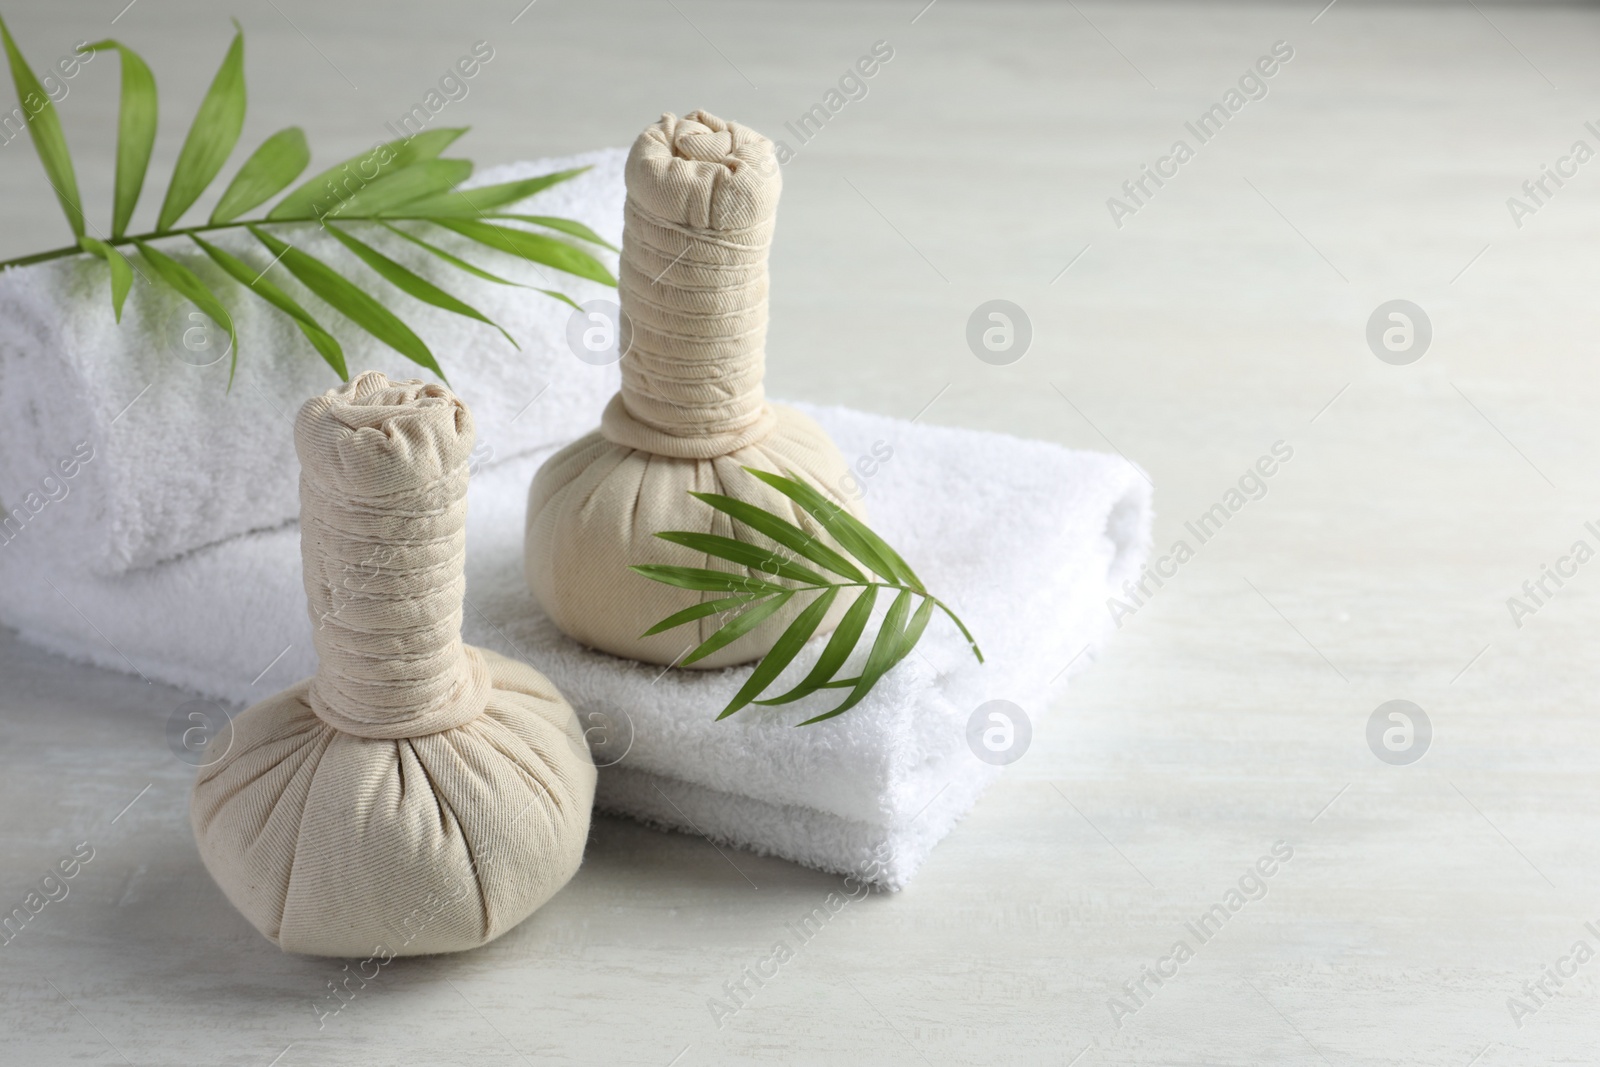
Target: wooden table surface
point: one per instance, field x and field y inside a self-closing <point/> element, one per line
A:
<point x="1423" y="902"/>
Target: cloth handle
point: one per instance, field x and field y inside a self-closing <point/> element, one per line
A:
<point x="383" y="507"/>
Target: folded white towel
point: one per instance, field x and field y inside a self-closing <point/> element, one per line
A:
<point x="176" y="463"/>
<point x="1026" y="540"/>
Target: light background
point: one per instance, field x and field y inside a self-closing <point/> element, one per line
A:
<point x="1230" y="712"/>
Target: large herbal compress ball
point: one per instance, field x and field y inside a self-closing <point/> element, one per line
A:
<point x="416" y="795"/>
<point x="702" y="199"/>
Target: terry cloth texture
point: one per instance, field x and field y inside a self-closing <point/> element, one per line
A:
<point x="1026" y="540"/>
<point x="701" y="205"/>
<point x="415" y="795"/>
<point x="179" y="462"/>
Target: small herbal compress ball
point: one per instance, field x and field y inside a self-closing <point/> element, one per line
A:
<point x="416" y="795"/>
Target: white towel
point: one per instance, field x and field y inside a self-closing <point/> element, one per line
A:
<point x="178" y="463"/>
<point x="1026" y="540"/>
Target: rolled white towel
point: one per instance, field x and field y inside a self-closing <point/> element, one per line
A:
<point x="165" y="460"/>
<point x="1025" y="539"/>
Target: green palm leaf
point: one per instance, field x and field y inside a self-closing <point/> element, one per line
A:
<point x="136" y="132"/>
<point x="745" y="554"/>
<point x="350" y="302"/>
<point x="783" y="651"/>
<point x="121" y="271"/>
<point x="189" y="285"/>
<point x="256" y="282"/>
<point x="404" y="178"/>
<point x="267" y="172"/>
<point x="535" y="247"/>
<point x="344" y="179"/>
<point x="901" y="629"/>
<point x="44" y="127"/>
<point x="413" y="284"/>
<point x="211" y="137"/>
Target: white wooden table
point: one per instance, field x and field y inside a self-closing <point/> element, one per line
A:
<point x="1226" y="314"/>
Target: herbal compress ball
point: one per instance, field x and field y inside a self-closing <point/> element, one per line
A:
<point x="416" y="795"/>
<point x="702" y="198"/>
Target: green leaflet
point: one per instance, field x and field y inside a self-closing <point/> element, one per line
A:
<point x="136" y="132"/>
<point x="567" y="226"/>
<point x="413" y="284"/>
<point x="256" y="282"/>
<point x="848" y="530"/>
<point x="474" y="203"/>
<point x="319" y="195"/>
<point x="211" y="137"/>
<point x="745" y="554"/>
<point x="350" y="302"/>
<point x="44" y="127"/>
<point x="699" y="611"/>
<point x="708" y="581"/>
<point x="741" y="625"/>
<point x="563" y="297"/>
<point x="785" y="533"/>
<point x="390" y="191"/>
<point x="477" y="272"/>
<point x="532" y="246"/>
<point x="188" y="283"/>
<point x="454" y="261"/>
<point x="902" y="627"/>
<point x="783" y="651"/>
<point x="121" y="271"/>
<point x="267" y="172"/>
<point x="887" y="650"/>
<point x="838" y="649"/>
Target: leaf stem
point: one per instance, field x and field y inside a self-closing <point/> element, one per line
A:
<point x="128" y="239"/>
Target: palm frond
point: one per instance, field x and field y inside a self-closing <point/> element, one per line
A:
<point x="406" y="180"/>
<point x="757" y="599"/>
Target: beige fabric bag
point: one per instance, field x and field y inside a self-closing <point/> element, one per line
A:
<point x="416" y="795"/>
<point x="702" y="199"/>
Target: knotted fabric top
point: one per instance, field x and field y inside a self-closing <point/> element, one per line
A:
<point x="383" y="508"/>
<point x="697" y="226"/>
